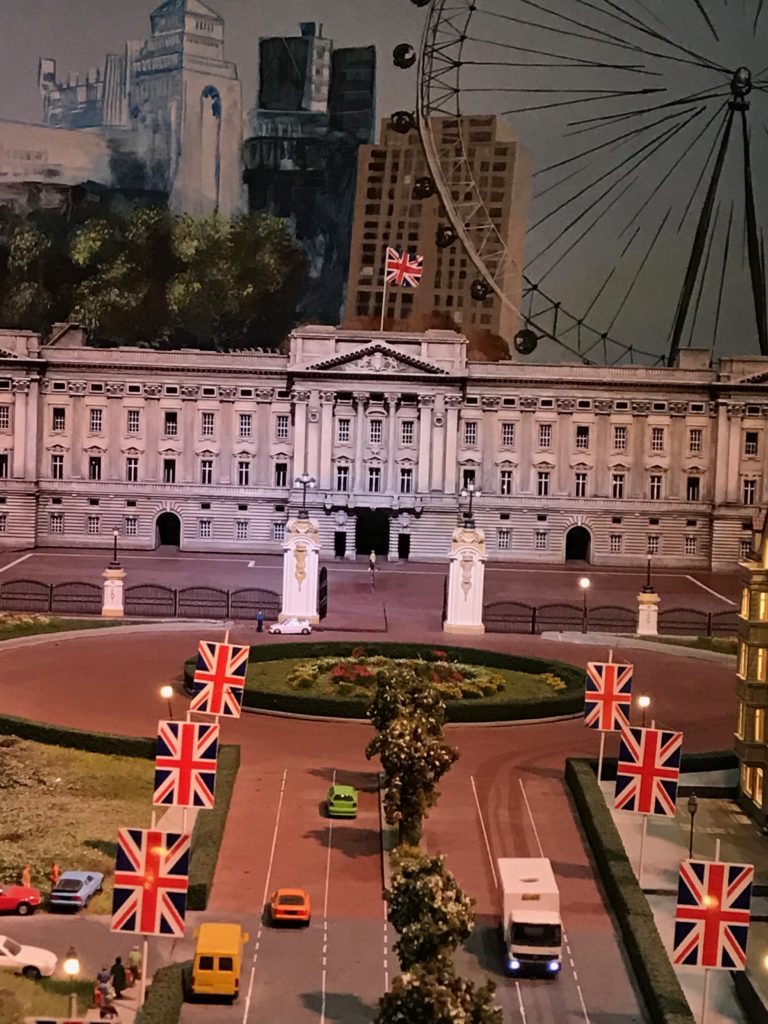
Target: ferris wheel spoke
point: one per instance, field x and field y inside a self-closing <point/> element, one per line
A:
<point x="601" y="122"/>
<point x="703" y="276"/>
<point x="638" y="272"/>
<point x="580" y="61"/>
<point x="706" y="17"/>
<point x="609" y="41"/>
<point x="549" y="64"/>
<point x="705" y="165"/>
<point x="566" y="103"/>
<point x="756" y="264"/>
<point x="721" y="288"/>
<point x="760" y="7"/>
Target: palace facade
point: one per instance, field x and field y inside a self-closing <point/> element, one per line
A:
<point x="202" y="449"/>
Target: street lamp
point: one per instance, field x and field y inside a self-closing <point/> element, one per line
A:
<point x="304" y="481"/>
<point x="643" y="702"/>
<point x="114" y="563"/>
<point x="648" y="587"/>
<point x="166" y="692"/>
<point x="471" y="492"/>
<point x="693" y="806"/>
<point x="72" y="969"/>
<point x="585" y="583"/>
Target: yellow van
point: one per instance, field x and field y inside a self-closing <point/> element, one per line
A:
<point x="218" y="960"/>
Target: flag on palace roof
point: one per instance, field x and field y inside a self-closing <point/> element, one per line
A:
<point x="648" y="771"/>
<point x="185" y="764"/>
<point x="402" y="268"/>
<point x="608" y="696"/>
<point x="151" y="880"/>
<point x="219" y="678"/>
<point x="712" y="914"/>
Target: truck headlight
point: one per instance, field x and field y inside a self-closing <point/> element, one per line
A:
<point x="513" y="965"/>
<point x="553" y="966"/>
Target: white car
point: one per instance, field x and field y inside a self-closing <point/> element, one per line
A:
<point x="31" y="961"/>
<point x="291" y="626"/>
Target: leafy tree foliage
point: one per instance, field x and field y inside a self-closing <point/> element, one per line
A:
<point x="422" y="996"/>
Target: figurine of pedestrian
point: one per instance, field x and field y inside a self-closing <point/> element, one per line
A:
<point x="103" y="978"/>
<point x="118" y="977"/>
<point x="259" y="621"/>
<point x="55" y="873"/>
<point x="26" y="876"/>
<point x="372" y="561"/>
<point x="134" y="962"/>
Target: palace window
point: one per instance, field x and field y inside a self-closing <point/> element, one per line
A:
<point x="281" y="474"/>
<point x="407" y="431"/>
<point x="57" y="467"/>
<point x="132" y="469"/>
<point x="581" y="485"/>
<point x="343" y="431"/>
<point x="375" y="431"/>
<point x="96" y="420"/>
<point x="206" y="471"/>
<point x="654" y="542"/>
<point x="241" y="529"/>
<point x="540" y="540"/>
<point x="131" y="526"/>
<point x="169" y="471"/>
<point x="133" y="423"/>
<point x="374" y="479"/>
<point x="503" y="539"/>
<point x="207" y="424"/>
<point x="619" y="439"/>
<point x="654" y="487"/>
<point x="5" y="417"/>
<point x="749" y="492"/>
<point x="582" y="437"/>
<point x="3" y="522"/>
<point x="695" y="435"/>
<point x="59" y="419"/>
<point x="245" y="429"/>
<point x="693" y="488"/>
<point x="56" y="522"/>
<point x="745" y="549"/>
<point x="617" y="485"/>
<point x="3" y="465"/>
<point x="616" y="543"/>
<point x="243" y="474"/>
<point x="505" y="481"/>
<point x="657" y="439"/>
<point x="690" y="545"/>
<point x="508" y="434"/>
<point x="468" y="477"/>
<point x="470" y="433"/>
<point x="545" y="435"/>
<point x="342" y="478"/>
<point x="751" y="442"/>
<point x="278" y="531"/>
<point x="204" y="528"/>
<point x="406" y="480"/>
<point x="170" y="423"/>
<point x="542" y="483"/>
<point x="94" y="524"/>
<point x="94" y="467"/>
<point x="282" y="423"/>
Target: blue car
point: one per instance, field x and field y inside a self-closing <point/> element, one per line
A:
<point x="74" y="889"/>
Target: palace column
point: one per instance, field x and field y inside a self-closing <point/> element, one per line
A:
<point x="528" y="408"/>
<point x="21" y="388"/>
<point x="721" y="462"/>
<point x="488" y="478"/>
<point x="262" y="434"/>
<point x="327" y="399"/>
<point x="228" y="434"/>
<point x="390" y="484"/>
<point x="313" y="437"/>
<point x="358" y="482"/>
<point x="425" y="440"/>
<point x="735" y="414"/>
<point x="300" y="400"/>
<point x="115" y="430"/>
<point x="453" y="404"/>
<point x="189" y="432"/>
<point x="77" y="470"/>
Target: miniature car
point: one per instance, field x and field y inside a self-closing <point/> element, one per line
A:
<point x="342" y="802"/>
<point x="30" y="961"/>
<point x="75" y="889"/>
<point x="291" y="626"/>
<point x="290" y="906"/>
<point x="19" y="899"/>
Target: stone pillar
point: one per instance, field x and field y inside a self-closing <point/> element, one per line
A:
<point x="300" y="400"/>
<point x="438" y="446"/>
<point x="721" y="462"/>
<point x="264" y="397"/>
<point x="112" y="602"/>
<point x="488" y="478"/>
<point x="20" y="427"/>
<point x="358" y="484"/>
<point x="115" y="429"/>
<point x="648" y="613"/>
<point x="313" y="437"/>
<point x="466" y="578"/>
<point x="301" y="558"/>
<point x="326" y="440"/>
<point x="733" y="461"/>
<point x="190" y="431"/>
<point x="78" y="465"/>
<point x="453" y="404"/>
<point x="391" y="484"/>
<point x="425" y="441"/>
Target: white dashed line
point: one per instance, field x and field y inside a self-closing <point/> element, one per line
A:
<point x="325" y="911"/>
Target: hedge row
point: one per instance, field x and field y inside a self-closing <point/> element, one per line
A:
<point x="664" y="998"/>
<point x="710" y="761"/>
<point x="165" y="996"/>
<point x="481" y="710"/>
<point x="209" y="831"/>
<point x="79" y="739"/>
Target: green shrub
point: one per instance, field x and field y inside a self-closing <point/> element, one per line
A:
<point x="79" y="739"/>
<point x="165" y="996"/>
<point x="209" y="830"/>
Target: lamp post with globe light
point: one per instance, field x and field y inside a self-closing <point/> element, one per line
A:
<point x="643" y="702"/>
<point x="693" y="806"/>
<point x="166" y="692"/>
<point x="585" y="583"/>
<point x="471" y="492"/>
<point x="304" y="481"/>
<point x="72" y="969"/>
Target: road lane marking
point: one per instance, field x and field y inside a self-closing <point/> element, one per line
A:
<point x="709" y="590"/>
<point x="485" y="832"/>
<point x="325" y="908"/>
<point x="17" y="562"/>
<point x="251" y="564"/>
<point x="520" y="1000"/>
<point x="247" y="1006"/>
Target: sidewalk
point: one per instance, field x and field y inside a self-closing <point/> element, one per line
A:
<point x="666" y="845"/>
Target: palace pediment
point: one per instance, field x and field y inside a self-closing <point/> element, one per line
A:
<point x="377" y="358"/>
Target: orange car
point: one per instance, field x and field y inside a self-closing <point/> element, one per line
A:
<point x="287" y="905"/>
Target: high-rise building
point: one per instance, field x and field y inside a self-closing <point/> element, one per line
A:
<point x="387" y="214"/>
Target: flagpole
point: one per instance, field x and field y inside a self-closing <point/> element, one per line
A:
<point x="144" y="959"/>
<point x="600" y="758"/>
<point x="642" y="851"/>
<point x="706" y="993"/>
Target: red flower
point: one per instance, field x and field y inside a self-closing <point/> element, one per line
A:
<point x="440" y="655"/>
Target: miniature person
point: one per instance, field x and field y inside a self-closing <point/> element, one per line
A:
<point x="119" y="982"/>
<point x="259" y="621"/>
<point x="103" y="979"/>
<point x="134" y="962"/>
<point x="372" y="561"/>
<point x="26" y="876"/>
<point x="55" y="873"/>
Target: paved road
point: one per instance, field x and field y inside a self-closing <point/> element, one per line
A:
<point x="117" y="677"/>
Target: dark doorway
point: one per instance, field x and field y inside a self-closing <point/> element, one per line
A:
<point x="578" y="541"/>
<point x="404" y="546"/>
<point x="168" y="529"/>
<point x="339" y="544"/>
<point x="372" y="532"/>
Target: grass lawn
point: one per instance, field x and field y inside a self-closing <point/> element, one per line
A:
<point x="718" y="644"/>
<point x="13" y="624"/>
<point x="48" y="997"/>
<point x="273" y="677"/>
<point x="66" y="805"/>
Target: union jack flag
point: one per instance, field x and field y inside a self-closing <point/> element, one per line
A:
<point x="185" y="764"/>
<point x="712" y="914"/>
<point x="608" y="696"/>
<point x="648" y="770"/>
<point x="401" y="268"/>
<point x="151" y="878"/>
<point x="219" y="678"/>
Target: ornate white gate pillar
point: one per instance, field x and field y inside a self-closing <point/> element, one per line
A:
<point x="112" y="606"/>
<point x="301" y="558"/>
<point x="466" y="578"/>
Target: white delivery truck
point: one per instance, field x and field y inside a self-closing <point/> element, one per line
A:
<point x="531" y="925"/>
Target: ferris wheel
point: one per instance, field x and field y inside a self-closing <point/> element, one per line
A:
<point x="647" y="122"/>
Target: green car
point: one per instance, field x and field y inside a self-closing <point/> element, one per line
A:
<point x="342" y="802"/>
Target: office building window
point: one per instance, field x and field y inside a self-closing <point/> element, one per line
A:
<point x="406" y="480"/>
<point x="282" y="421"/>
<point x="745" y="549"/>
<point x="243" y="473"/>
<point x="241" y="529"/>
<point x="695" y="435"/>
<point x="207" y="424"/>
<point x="206" y="471"/>
<point x="57" y="467"/>
<point x="617" y="485"/>
<point x="657" y="439"/>
<point x="508" y="434"/>
<point x="5" y="417"/>
<point x="693" y="488"/>
<point x="616" y="543"/>
<point x="654" y="487"/>
<point x="505" y="481"/>
<point x="653" y="544"/>
<point x="470" y="433"/>
<point x="542" y="483"/>
<point x="374" y="479"/>
<point x="504" y="539"/>
<point x="59" y="419"/>
<point x="375" y="431"/>
<point x="749" y="492"/>
<point x="133" y="424"/>
<point x="690" y="545"/>
<point x="620" y="439"/>
<point x="278" y="531"/>
<point x="751" y="442"/>
<point x="56" y="522"/>
<point x="582" y="437"/>
<point x="131" y="526"/>
<point x="343" y="431"/>
<point x="540" y="540"/>
<point x="245" y="428"/>
<point x="204" y="528"/>
<point x="170" y="423"/>
<point x="545" y="435"/>
<point x="95" y="420"/>
<point x="281" y="474"/>
<point x="94" y="467"/>
<point x="467" y="478"/>
<point x="342" y="478"/>
<point x="758" y="728"/>
<point x="407" y="432"/>
<point x="3" y="465"/>
<point x="169" y="471"/>
<point x="132" y="469"/>
<point x="580" y="485"/>
<point x="94" y="524"/>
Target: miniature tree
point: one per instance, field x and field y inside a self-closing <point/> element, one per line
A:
<point x="423" y="997"/>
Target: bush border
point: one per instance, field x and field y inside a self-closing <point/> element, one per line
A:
<point x="476" y="710"/>
<point x="78" y="739"/>
<point x="165" y="996"/>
